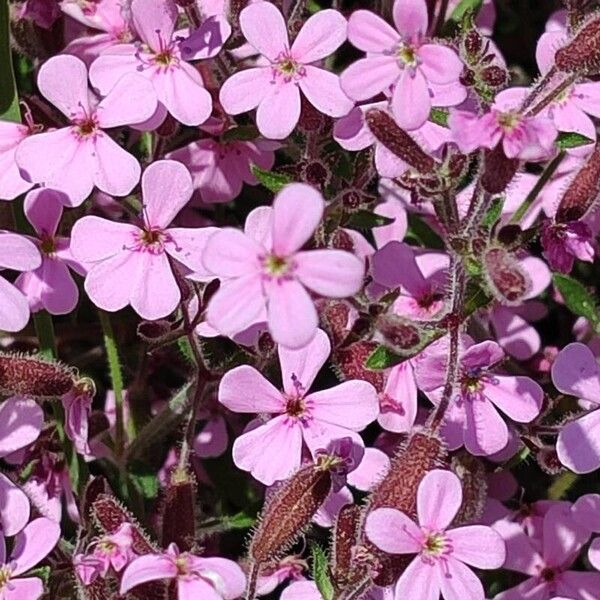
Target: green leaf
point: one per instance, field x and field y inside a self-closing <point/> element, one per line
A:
<point x="577" y="298"/>
<point x="366" y="219"/>
<point x="463" y="9"/>
<point x="320" y="572"/>
<point x="423" y="234"/>
<point x="571" y="139"/>
<point x="42" y="573"/>
<point x="144" y="480"/>
<point x="243" y="133"/>
<point x="383" y="358"/>
<point x="9" y="99"/>
<point x="493" y="213"/>
<point x="273" y="181"/>
<point x="439" y="116"/>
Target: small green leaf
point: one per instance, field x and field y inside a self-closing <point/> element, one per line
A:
<point x="320" y="572"/>
<point x="571" y="139"/>
<point x="578" y="300"/>
<point x="439" y="116"/>
<point x="464" y="8"/>
<point x="420" y="231"/>
<point x="383" y="358"/>
<point x="493" y="213"/>
<point x="244" y="133"/>
<point x="273" y="181"/>
<point x="366" y="219"/>
<point x="42" y="573"/>
<point x="144" y="480"/>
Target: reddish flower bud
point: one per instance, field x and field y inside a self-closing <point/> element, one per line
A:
<point x="33" y="376"/>
<point x="473" y="44"/>
<point x="179" y="514"/>
<point x="346" y="536"/>
<point x="401" y="335"/>
<point x="582" y="54"/>
<point x="582" y="193"/>
<point x="349" y="363"/>
<point x="335" y="317"/>
<point x="498" y="170"/>
<point x="471" y="472"/>
<point x="494" y="76"/>
<point x="397" y="141"/>
<point x="505" y="277"/>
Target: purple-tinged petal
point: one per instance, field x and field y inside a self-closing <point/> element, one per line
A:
<point x="477" y="545"/>
<point x="594" y="554"/>
<point x="374" y="466"/>
<point x="586" y="511"/>
<point x="439" y="498"/>
<point x="15" y="508"/>
<point x="514" y="333"/>
<point x="154" y="22"/>
<point x="245" y="90"/>
<point x="149" y="567"/>
<point x="95" y="239"/>
<point x="440" y="65"/>
<point x="322" y="89"/>
<point x="518" y="397"/>
<point x="485" y="431"/>
<point x="370" y="76"/>
<point x="245" y="390"/>
<point x="34" y="543"/>
<point x="31" y="588"/>
<point x="576" y="372"/>
<point x="578" y="444"/>
<point x="188" y="246"/>
<point x="21" y="421"/>
<point x="419" y="575"/>
<point x="110" y="284"/>
<point x="587" y="97"/>
<point x="43" y="209"/>
<point x="411" y="102"/>
<point x="393" y="532"/>
<point x="188" y="589"/>
<point x="14" y="308"/>
<point x="411" y="19"/>
<point x="231" y="253"/>
<point x="321" y="35"/>
<point x="398" y="402"/>
<point x="562" y="536"/>
<point x="370" y="33"/>
<point x="116" y="171"/>
<point x="458" y="582"/>
<point x="18" y="252"/>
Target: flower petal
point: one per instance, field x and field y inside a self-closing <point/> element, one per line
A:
<point x="478" y="545"/>
<point x="279" y="111"/>
<point x="154" y="21"/>
<point x="459" y="582"/>
<point x="369" y="76"/>
<point x="440" y="65"/>
<point x="578" y="444"/>
<point x="370" y="33"/>
<point x="393" y="532"/>
<point x="245" y="90"/>
<point x="321" y="35"/>
<point x="265" y="29"/>
<point x="116" y="171"/>
<point x="149" y="567"/>
<point x="322" y="89"/>
<point x="34" y="543"/>
<point x="109" y="284"/>
<point x="245" y="390"/>
<point x="411" y="19"/>
<point x="576" y="372"/>
<point x="419" y="575"/>
<point x="15" y="508"/>
<point x="411" y="102"/>
<point x="485" y="431"/>
<point x="518" y="397"/>
<point x="95" y="239"/>
<point x="14" y="308"/>
<point x="183" y="93"/>
<point x="439" y="498"/>
<point x="231" y="253"/>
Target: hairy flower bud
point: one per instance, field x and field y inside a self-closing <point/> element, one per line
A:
<point x="178" y="514"/>
<point x="473" y="44"/>
<point x="494" y="76"/>
<point x="582" y="193"/>
<point x="498" y="170"/>
<point x="397" y="141"/>
<point x="582" y="53"/>
<point x="471" y="472"/>
<point x="401" y="335"/>
<point x="346" y="536"/>
<point x="506" y="279"/>
<point x="349" y="363"/>
<point x="34" y="376"/>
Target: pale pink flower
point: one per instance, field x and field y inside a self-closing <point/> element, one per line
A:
<point x="179" y="85"/>
<point x="547" y="559"/>
<point x="111" y="550"/>
<point x="220" y="168"/>
<point x="472" y="418"/>
<point x="529" y="138"/>
<point x="275" y="89"/>
<point x="21" y="421"/>
<point x="83" y="155"/>
<point x="130" y="264"/>
<point x="51" y="286"/>
<point x="78" y="407"/>
<point x="265" y="274"/>
<point x="576" y="372"/>
<point x="442" y="552"/>
<point x="19" y="254"/>
<point x="564" y="242"/>
<point x="398" y="400"/>
<point x="308" y="590"/>
<point x="272" y="450"/>
<point x="402" y="58"/>
<point x="31" y="546"/>
<point x="289" y="568"/>
<point x="196" y="576"/>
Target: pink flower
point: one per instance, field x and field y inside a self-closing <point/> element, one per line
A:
<point x="472" y="418"/>
<point x="272" y="451"/>
<point x="576" y="372"/>
<point x="547" y="559"/>
<point x="402" y="58"/>
<point x="264" y="274"/>
<point x="43" y="13"/>
<point x="12" y="183"/>
<point x="131" y="264"/>
<point x="523" y="137"/>
<point x="564" y="242"/>
<point x="30" y="547"/>
<point x="111" y="550"/>
<point x="275" y="89"/>
<point x="19" y="254"/>
<point x="83" y="155"/>
<point x="196" y="576"/>
<point x="220" y="168"/>
<point x="439" y="567"/>
<point x="179" y="86"/>
<point x="398" y="401"/>
<point x="51" y="286"/>
<point x="21" y="421"/>
<point x="78" y="407"/>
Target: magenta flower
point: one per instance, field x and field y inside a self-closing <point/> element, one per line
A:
<point x="131" y="264"/>
<point x="111" y="550"/>
<point x="179" y="85"/>
<point x="472" y="418"/>
<point x="19" y="254"/>
<point x="220" y="168"/>
<point x="576" y="372"/>
<point x="49" y="287"/>
<point x="21" y="421"/>
<point x="564" y="242"/>
<point x="547" y="558"/>
<point x="275" y="89"/>
<point x="272" y="451"/>
<point x="264" y="274"/>
<point x="83" y="155"/>
<point x="443" y="553"/>
<point x="402" y="58"/>
<point x="523" y="137"/>
<point x="196" y="576"/>
<point x="30" y="547"/>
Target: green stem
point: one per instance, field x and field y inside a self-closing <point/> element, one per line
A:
<point x="537" y="188"/>
<point x="44" y="328"/>
<point x="116" y="378"/>
<point x="9" y="99"/>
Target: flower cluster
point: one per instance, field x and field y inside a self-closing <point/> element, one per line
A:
<point x="299" y="300"/>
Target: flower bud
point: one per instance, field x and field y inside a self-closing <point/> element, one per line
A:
<point x="583" y="191"/>
<point x="505" y="277"/>
<point x="473" y="44"/>
<point x="498" y="170"/>
<point x="471" y="473"/>
<point x="346" y="536"/>
<point x="494" y="76"/>
<point x="397" y="141"/>
<point x="34" y="376"/>
<point x="349" y="363"/>
<point x="401" y="335"/>
<point x="179" y="514"/>
<point x="582" y="53"/>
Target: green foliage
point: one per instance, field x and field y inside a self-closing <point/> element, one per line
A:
<point x="577" y="298"/>
<point x="365" y="220"/>
<point x="571" y="139"/>
<point x="320" y="572"/>
<point x="273" y="181"/>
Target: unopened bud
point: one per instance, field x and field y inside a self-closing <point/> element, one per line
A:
<point x="471" y="473"/>
<point x="494" y="76"/>
<point x="498" y="170"/>
<point x="583" y="191"/>
<point x="473" y="43"/>
<point x="316" y="173"/>
<point x="548" y="460"/>
<point x="349" y="363"/>
<point x="582" y="54"/>
<point x="179" y="514"/>
<point x="346" y="537"/>
<point x="401" y="335"/>
<point x="33" y="376"/>
<point x="505" y="277"/>
<point x="335" y="317"/>
<point x="398" y="142"/>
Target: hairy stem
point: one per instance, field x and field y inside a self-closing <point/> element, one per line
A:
<point x="44" y="329"/>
